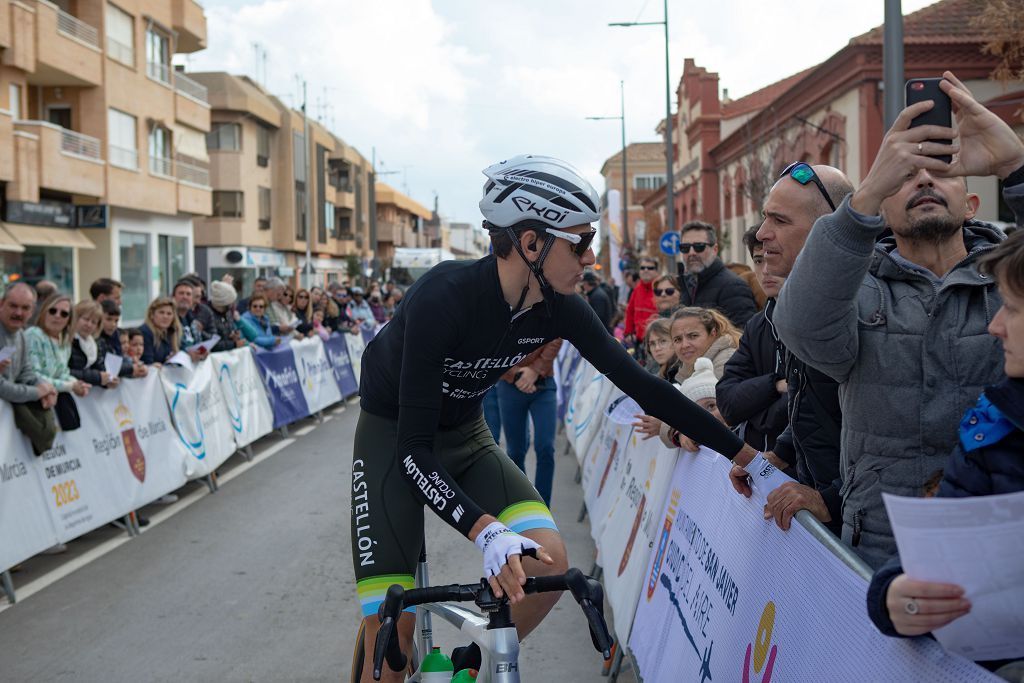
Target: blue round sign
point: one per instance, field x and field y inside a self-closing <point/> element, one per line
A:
<point x="670" y="243"/>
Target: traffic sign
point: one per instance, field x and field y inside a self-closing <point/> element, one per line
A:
<point x="670" y="243"/>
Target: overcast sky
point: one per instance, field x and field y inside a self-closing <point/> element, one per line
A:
<point x="442" y="89"/>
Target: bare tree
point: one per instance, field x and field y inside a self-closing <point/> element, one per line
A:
<point x="1002" y="21"/>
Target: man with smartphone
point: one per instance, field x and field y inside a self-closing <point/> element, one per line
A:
<point x="901" y="323"/>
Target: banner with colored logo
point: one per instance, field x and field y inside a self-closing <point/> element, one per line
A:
<point x="245" y="401"/>
<point x="356" y="345"/>
<point x="200" y="416"/>
<point x="284" y="389"/>
<point x="566" y="362"/>
<point x="316" y="376"/>
<point x="337" y="353"/>
<point x="728" y="596"/>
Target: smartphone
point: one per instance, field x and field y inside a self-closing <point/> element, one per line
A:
<point x="921" y="89"/>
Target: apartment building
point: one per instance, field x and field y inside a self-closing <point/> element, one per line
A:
<point x="274" y="190"/>
<point x="400" y="223"/>
<point x="468" y="241"/>
<point x="645" y="175"/>
<point x="102" y="156"/>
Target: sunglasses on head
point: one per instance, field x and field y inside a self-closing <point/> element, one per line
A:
<point x="648" y="267"/>
<point x="698" y="247"/>
<point x="60" y="311"/>
<point x="580" y="242"/>
<point x="802" y="173"/>
<point x="668" y="291"/>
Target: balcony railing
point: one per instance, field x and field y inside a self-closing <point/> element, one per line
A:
<point x="159" y="71"/>
<point x="187" y="86"/>
<point x="120" y="52"/>
<point x="187" y="170"/>
<point x="124" y="157"/>
<point x="78" y="144"/>
<point x="161" y="165"/>
<point x="76" y="28"/>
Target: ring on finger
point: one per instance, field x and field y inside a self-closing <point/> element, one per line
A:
<point x="912" y="607"/>
<point x="920" y="147"/>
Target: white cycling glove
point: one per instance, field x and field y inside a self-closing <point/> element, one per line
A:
<point x="497" y="542"/>
<point x="755" y="466"/>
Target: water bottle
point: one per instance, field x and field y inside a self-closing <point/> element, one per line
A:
<point x="436" y="667"/>
<point x="465" y="676"/>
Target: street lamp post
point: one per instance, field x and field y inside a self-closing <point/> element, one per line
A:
<point x="621" y="118"/>
<point x="669" y="199"/>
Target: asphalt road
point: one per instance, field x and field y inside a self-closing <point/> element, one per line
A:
<point x="252" y="583"/>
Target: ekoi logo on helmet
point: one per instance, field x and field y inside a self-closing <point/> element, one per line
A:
<point x="528" y="205"/>
<point x="760" y="647"/>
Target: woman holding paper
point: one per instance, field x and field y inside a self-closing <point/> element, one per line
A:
<point x="49" y="345"/>
<point x="161" y="333"/>
<point x="88" y="350"/>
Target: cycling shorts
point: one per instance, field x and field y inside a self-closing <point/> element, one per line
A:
<point x="387" y="518"/>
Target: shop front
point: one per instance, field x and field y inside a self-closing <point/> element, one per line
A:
<point x="244" y="264"/>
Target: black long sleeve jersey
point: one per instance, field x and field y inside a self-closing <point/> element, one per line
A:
<point x="451" y="339"/>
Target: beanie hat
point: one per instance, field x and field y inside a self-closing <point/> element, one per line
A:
<point x="222" y="294"/>
<point x="701" y="384"/>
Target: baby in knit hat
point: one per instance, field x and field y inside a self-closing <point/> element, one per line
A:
<point x="699" y="388"/>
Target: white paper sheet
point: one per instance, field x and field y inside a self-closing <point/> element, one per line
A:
<point x="978" y="544"/>
<point x="208" y="344"/>
<point x="624" y="410"/>
<point x="112" y="364"/>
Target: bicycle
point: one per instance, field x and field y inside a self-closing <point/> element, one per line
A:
<point x="495" y="634"/>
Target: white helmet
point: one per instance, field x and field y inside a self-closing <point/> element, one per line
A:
<point x="533" y="187"/>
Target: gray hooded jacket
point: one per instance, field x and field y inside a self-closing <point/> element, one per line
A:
<point x="911" y="355"/>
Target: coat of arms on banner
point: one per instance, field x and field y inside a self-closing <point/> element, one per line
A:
<point x="132" y="449"/>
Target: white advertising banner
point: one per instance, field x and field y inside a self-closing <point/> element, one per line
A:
<point x="356" y="345"/>
<point x="631" y="523"/>
<point x="728" y="596"/>
<point x="603" y="473"/>
<point x="245" y="399"/>
<point x="25" y="524"/>
<point x="200" y="416"/>
<point x="583" y="415"/>
<point x="316" y="375"/>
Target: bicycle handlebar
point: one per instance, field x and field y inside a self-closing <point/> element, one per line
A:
<point x="587" y="592"/>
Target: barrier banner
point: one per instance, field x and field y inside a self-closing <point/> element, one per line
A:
<point x="355" y="345"/>
<point x="337" y="353"/>
<point x="25" y="524"/>
<point x="602" y="473"/>
<point x="246" y="403"/>
<point x="567" y="361"/>
<point x="728" y="596"/>
<point x="277" y="368"/>
<point x="200" y="416"/>
<point x="316" y="377"/>
<point x="632" y="522"/>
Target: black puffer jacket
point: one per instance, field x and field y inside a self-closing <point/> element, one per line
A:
<point x="746" y="393"/>
<point x="718" y="287"/>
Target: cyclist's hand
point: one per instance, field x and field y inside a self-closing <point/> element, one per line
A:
<point x="503" y="550"/>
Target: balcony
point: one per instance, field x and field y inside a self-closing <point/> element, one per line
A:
<point x="67" y="49"/>
<point x="345" y="198"/>
<point x="191" y="103"/>
<point x="158" y="71"/>
<point x="67" y="161"/>
<point x="192" y="171"/>
<point x="188" y="20"/>
<point x="386" y="231"/>
<point x="161" y="166"/>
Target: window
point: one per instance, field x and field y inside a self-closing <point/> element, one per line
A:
<point x="59" y="115"/>
<point x="262" y="146"/>
<point x="264" y="208"/>
<point x="328" y="220"/>
<point x="299" y="157"/>
<point x="158" y="55"/>
<point x="135" y="274"/>
<point x="48" y="263"/>
<point x="173" y="258"/>
<point x="648" y="181"/>
<point x="227" y="203"/>
<point x="160" y="151"/>
<point x="120" y="35"/>
<point x="14" y="101"/>
<point x="224" y="136"/>
<point x="122" y="149"/>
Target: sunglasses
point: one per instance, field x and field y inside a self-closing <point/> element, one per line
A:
<point x="258" y="306"/>
<point x="60" y="311"/>
<point x="802" y="173"/>
<point x="580" y="242"/>
<point x="698" y="247"/>
<point x="648" y="267"/>
<point x="668" y="291"/>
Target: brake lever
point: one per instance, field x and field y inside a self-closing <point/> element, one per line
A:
<point x="387" y="641"/>
<point x="380" y="646"/>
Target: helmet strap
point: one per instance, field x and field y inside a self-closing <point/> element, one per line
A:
<point x="536" y="269"/>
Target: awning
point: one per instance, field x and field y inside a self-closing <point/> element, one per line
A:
<point x="8" y="243"/>
<point x="39" y="236"/>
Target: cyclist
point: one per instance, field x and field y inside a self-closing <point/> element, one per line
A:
<point x="421" y="438"/>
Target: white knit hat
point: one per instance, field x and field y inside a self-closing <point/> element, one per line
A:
<point x="701" y="384"/>
<point x="222" y="294"/>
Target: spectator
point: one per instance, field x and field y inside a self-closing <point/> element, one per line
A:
<point x="985" y="461"/>
<point x="161" y="333"/>
<point x="184" y="295"/>
<point x="661" y="355"/>
<point x="529" y="389"/>
<point x="753" y="393"/>
<point x="302" y="309"/>
<point x="135" y="345"/>
<point x="705" y="280"/>
<point x="279" y="315"/>
<point x="492" y="413"/>
<point x="359" y="310"/>
<point x="255" y="325"/>
<point x="377" y="308"/>
<point x="666" y="295"/>
<point x="258" y="287"/>
<point x="598" y="298"/>
<point x="88" y="351"/>
<point x="288" y="298"/>
<point x="700" y="388"/>
<point x="317" y="327"/>
<point x="105" y="289"/>
<point x="222" y="316"/>
<point x="31" y="396"/>
<point x="202" y="315"/>
<point x="848" y="299"/>
<point x="45" y="289"/>
<point x="629" y="278"/>
<point x="109" y="340"/>
<point x="316" y="296"/>
<point x="49" y="347"/>
<point x="641" y="302"/>
<point x="746" y="273"/>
